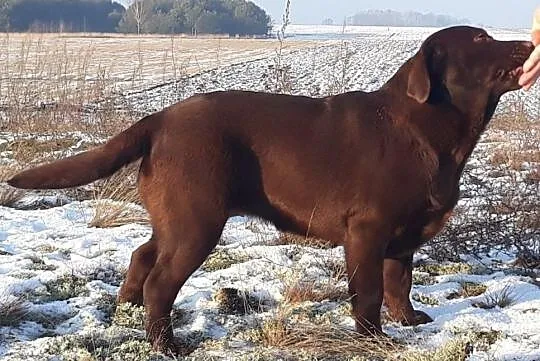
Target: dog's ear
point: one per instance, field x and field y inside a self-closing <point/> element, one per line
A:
<point x="419" y="81"/>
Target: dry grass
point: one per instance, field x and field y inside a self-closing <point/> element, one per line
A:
<point x="221" y="259"/>
<point x="333" y="342"/>
<point x="515" y="119"/>
<point x="514" y="158"/>
<point x="457" y="349"/>
<point x="235" y="302"/>
<point x="109" y="214"/>
<point x="326" y="341"/>
<point x="437" y="269"/>
<point x="13" y="310"/>
<point x="65" y="72"/>
<point x="297" y="288"/>
<point x="505" y="297"/>
<point x="116" y="201"/>
<point x="468" y="289"/>
<point x="425" y="299"/>
<point x="8" y="195"/>
<point x="31" y="150"/>
<point x="306" y="241"/>
<point x="526" y="146"/>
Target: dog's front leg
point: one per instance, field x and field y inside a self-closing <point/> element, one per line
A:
<point x="364" y="253"/>
<point x="397" y="287"/>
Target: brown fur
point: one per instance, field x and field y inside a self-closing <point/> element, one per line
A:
<point x="375" y="172"/>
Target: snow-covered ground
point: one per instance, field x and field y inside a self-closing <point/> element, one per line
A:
<point x="363" y="62"/>
<point x="64" y="274"/>
<point x="40" y="247"/>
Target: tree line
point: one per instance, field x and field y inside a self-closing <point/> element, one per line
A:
<point x="234" y="17"/>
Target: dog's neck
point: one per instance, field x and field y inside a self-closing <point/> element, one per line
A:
<point x="475" y="111"/>
<point x="461" y="117"/>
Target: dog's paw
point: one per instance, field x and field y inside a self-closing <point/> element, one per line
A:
<point x="419" y="318"/>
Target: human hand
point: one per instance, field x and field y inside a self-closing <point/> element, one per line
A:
<point x="531" y="68"/>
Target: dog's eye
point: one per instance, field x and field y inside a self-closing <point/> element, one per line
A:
<point x="482" y="37"/>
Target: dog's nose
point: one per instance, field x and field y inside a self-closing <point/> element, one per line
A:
<point x="525" y="48"/>
<point x="528" y="45"/>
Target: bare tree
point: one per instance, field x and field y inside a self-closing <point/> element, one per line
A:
<point x="140" y="13"/>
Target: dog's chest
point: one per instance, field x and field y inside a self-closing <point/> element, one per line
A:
<point x="411" y="236"/>
<point x="442" y="198"/>
<point x="425" y="223"/>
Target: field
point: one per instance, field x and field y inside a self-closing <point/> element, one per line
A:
<point x="261" y="295"/>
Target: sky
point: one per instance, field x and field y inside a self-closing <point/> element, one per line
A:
<point x="497" y="13"/>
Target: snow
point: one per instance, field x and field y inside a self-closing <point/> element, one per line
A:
<point x="363" y="61"/>
<point x="38" y="247"/>
<point x="27" y="233"/>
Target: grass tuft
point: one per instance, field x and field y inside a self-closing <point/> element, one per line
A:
<point x="115" y="201"/>
<point x="222" y="259"/>
<point x="457" y="349"/>
<point x="12" y="310"/>
<point x="424" y="299"/>
<point x="505" y="297"/>
<point x="323" y="340"/>
<point x="445" y="269"/>
<point x="233" y="301"/>
<point x="129" y="316"/>
<point x="286" y="238"/>
<point x="65" y="287"/>
<point x="104" y="345"/>
<point x="9" y="195"/>
<point x="468" y="289"/>
<point x="297" y="289"/>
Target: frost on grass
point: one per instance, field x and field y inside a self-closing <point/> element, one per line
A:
<point x="437" y="269"/>
<point x="292" y="238"/>
<point x="112" y="344"/>
<point x="13" y="310"/>
<point x="129" y="316"/>
<point x="110" y="273"/>
<point x="422" y="278"/>
<point x="38" y="264"/>
<point x="425" y="299"/>
<point x="236" y="302"/>
<point x="65" y="287"/>
<point x="9" y="195"/>
<point x="222" y="258"/>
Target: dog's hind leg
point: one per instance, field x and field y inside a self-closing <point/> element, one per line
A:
<point x="142" y="261"/>
<point x="186" y="233"/>
<point x="397" y="287"/>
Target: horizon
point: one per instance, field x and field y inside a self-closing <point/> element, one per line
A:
<point x="495" y="13"/>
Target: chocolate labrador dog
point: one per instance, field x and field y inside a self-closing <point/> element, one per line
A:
<point x="375" y="172"/>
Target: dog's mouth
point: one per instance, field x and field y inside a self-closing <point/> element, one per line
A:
<point x="513" y="71"/>
<point x="513" y="74"/>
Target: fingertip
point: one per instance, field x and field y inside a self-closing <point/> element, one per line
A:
<point x="535" y="37"/>
<point x="527" y="66"/>
<point x="525" y="79"/>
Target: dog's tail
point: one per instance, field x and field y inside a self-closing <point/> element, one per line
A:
<point x="94" y="164"/>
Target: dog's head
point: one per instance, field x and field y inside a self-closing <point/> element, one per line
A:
<point x="460" y="62"/>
